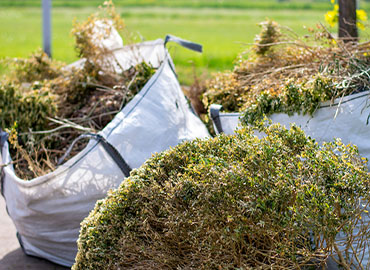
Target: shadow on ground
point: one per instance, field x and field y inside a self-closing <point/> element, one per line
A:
<point x="17" y="260"/>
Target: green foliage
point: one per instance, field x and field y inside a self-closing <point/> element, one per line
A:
<point x="87" y="37"/>
<point x="303" y="98"/>
<point x="231" y="202"/>
<point x="270" y="34"/>
<point x="143" y="71"/>
<point x="37" y="67"/>
<point x="29" y="109"/>
<point x="224" y="88"/>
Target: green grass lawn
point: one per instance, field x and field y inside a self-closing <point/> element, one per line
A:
<point x="224" y="32"/>
<point x="261" y="4"/>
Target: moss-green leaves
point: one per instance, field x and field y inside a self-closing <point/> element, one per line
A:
<point x="29" y="109"/>
<point x="232" y="202"/>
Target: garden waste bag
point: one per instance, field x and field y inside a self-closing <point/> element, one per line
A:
<point x="47" y="210"/>
<point x="346" y="118"/>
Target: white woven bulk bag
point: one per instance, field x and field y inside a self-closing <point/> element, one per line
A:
<point x="346" y="118"/>
<point x="47" y="210"/>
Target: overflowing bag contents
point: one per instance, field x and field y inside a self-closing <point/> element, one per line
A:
<point x="47" y="209"/>
<point x="346" y="118"/>
<point x="46" y="104"/>
<point x="317" y="83"/>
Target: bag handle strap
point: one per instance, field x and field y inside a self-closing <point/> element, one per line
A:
<point x="214" y="113"/>
<point x="109" y="148"/>
<point x="185" y="43"/>
<point x="3" y="138"/>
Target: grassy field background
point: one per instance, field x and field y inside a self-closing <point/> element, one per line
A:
<point x="222" y="27"/>
<point x="261" y="4"/>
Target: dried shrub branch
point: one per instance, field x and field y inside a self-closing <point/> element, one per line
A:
<point x="284" y="73"/>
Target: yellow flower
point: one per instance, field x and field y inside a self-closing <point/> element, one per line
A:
<point x="361" y="18"/>
<point x="360" y="25"/>
<point x="361" y="15"/>
<point x="331" y="17"/>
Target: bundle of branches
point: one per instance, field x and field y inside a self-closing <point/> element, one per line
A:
<point x="282" y="72"/>
<point x="235" y="202"/>
<point x="46" y="104"/>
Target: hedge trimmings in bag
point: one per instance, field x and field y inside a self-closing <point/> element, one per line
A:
<point x="285" y="73"/>
<point x="47" y="104"/>
<point x="233" y="202"/>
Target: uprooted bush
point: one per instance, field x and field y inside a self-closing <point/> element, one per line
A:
<point x="283" y="72"/>
<point x="232" y="202"/>
<point x="45" y="104"/>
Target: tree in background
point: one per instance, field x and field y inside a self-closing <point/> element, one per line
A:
<point x="349" y="18"/>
